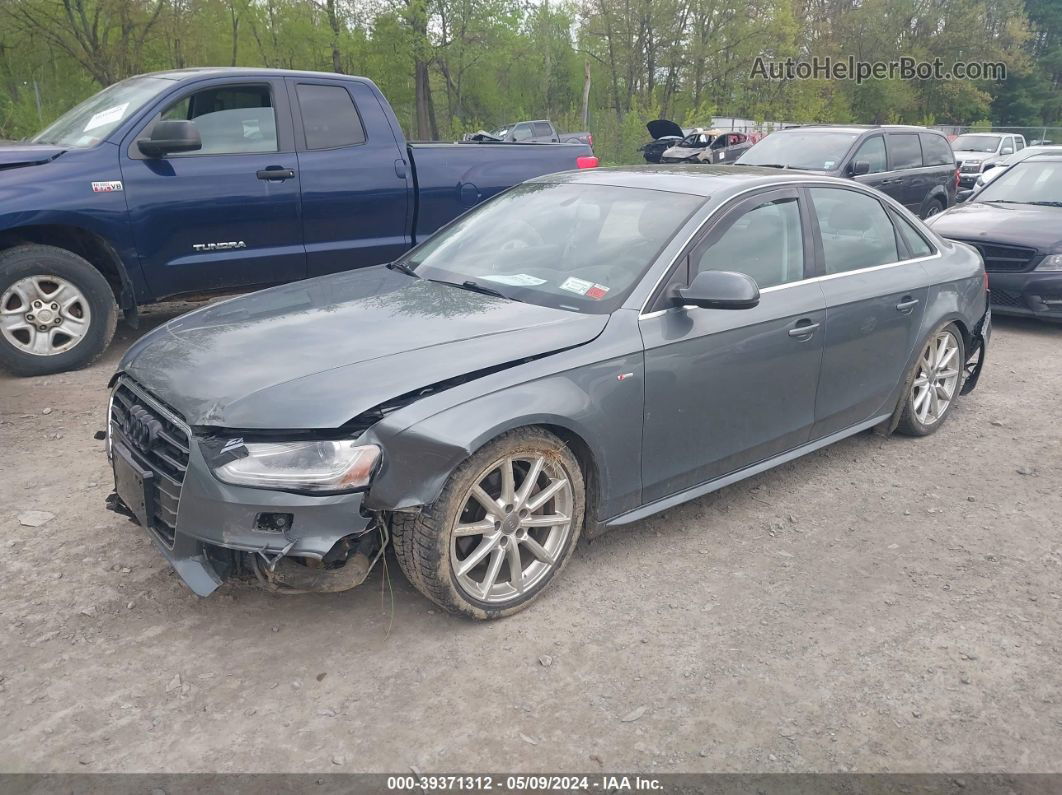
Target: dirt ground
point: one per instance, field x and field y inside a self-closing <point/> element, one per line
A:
<point x="882" y="605"/>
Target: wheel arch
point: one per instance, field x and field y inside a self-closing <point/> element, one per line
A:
<point x="429" y="460"/>
<point x="92" y="247"/>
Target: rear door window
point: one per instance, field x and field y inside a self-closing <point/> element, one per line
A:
<point x="329" y="118"/>
<point x="855" y="229"/>
<point x="542" y="129"/>
<point x="936" y="151"/>
<point x="904" y="150"/>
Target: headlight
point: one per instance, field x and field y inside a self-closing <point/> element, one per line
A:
<point x="323" y="467"/>
<point x="1052" y="262"/>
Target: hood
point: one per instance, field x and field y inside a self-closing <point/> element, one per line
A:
<point x="663" y="128"/>
<point x="967" y="154"/>
<point x="16" y="154"/>
<point x="1010" y="224"/>
<point x="317" y="353"/>
<point x="682" y="152"/>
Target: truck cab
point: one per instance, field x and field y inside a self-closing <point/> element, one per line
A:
<point x="216" y="180"/>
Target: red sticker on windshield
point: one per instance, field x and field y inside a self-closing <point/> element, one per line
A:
<point x="597" y="292"/>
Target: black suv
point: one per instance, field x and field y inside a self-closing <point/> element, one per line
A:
<point x="914" y="165"/>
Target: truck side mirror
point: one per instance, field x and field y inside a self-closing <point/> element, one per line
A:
<point x="719" y="290"/>
<point x="168" y="137"/>
<point x="860" y="167"/>
<point x="963" y="195"/>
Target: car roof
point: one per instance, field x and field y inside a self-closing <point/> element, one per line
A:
<point x="242" y="71"/>
<point x="696" y="180"/>
<point x="1051" y="156"/>
<point x="862" y="128"/>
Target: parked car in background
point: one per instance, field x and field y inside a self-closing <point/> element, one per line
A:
<point x="707" y="146"/>
<point x="537" y="131"/>
<point x="579" y="353"/>
<point x="913" y="165"/>
<point x="991" y="172"/>
<point x="1015" y="222"/>
<point x="665" y="134"/>
<point x="222" y="179"/>
<point x="976" y="152"/>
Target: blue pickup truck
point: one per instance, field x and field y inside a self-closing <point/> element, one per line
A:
<point x="204" y="180"/>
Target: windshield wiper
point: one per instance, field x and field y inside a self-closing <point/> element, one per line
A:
<point x="1046" y="204"/>
<point x="401" y="267"/>
<point x="475" y="287"/>
<point x="762" y="165"/>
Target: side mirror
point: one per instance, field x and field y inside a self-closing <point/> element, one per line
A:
<point x="963" y="195"/>
<point x="860" y="167"/>
<point x="719" y="290"/>
<point x="1007" y="150"/>
<point x="168" y="137"/>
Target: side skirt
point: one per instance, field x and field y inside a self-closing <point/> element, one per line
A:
<point x="714" y="485"/>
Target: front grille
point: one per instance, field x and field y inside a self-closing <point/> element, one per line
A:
<point x="1003" y="298"/>
<point x="970" y="168"/>
<point x="165" y="452"/>
<point x="1009" y="259"/>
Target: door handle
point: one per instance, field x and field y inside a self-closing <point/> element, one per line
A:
<point x="803" y="329"/>
<point x="906" y="305"/>
<point x="276" y="173"/>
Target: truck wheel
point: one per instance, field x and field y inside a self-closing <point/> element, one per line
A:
<point x="935" y="382"/>
<point x="503" y="528"/>
<point x="57" y="312"/>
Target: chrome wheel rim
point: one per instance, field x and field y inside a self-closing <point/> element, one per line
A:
<point x="937" y="378"/>
<point x="44" y="315"/>
<point x="512" y="529"/>
<point x="934" y="209"/>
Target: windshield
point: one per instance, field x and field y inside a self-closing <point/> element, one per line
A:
<point x="805" y="149"/>
<point x="568" y="246"/>
<point x="976" y="143"/>
<point x="1029" y="182"/>
<point x="501" y="132"/>
<point x="97" y="117"/>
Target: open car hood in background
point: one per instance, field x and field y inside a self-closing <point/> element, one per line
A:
<point x="663" y="128"/>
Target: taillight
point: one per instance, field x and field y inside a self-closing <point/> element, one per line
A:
<point x="586" y="161"/>
<point x="590" y="139"/>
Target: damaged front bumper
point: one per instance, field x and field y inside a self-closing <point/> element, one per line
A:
<point x="209" y="531"/>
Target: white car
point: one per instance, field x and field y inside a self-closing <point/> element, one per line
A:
<point x="996" y="169"/>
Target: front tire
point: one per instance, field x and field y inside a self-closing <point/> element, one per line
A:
<point x="502" y="529"/>
<point x="934" y="383"/>
<point x="935" y="207"/>
<point x="57" y="312"/>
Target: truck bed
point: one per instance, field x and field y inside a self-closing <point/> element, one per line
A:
<point x="473" y="172"/>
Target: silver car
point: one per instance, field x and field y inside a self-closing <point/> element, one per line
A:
<point x="576" y="354"/>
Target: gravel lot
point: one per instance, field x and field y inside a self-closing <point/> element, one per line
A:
<point x="882" y="605"/>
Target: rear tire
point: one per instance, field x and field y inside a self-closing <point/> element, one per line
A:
<point x="935" y="207"/>
<point x="933" y="385"/>
<point x="463" y="549"/>
<point x="57" y="312"/>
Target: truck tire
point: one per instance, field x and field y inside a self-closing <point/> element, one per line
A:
<point x="462" y="550"/>
<point x="57" y="312"/>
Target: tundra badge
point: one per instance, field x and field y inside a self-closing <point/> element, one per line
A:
<point x="219" y="246"/>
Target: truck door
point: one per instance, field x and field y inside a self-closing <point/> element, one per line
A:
<point x="226" y="215"/>
<point x="356" y="184"/>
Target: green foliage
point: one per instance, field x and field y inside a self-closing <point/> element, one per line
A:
<point x="483" y="63"/>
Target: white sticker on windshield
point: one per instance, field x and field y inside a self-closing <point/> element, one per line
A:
<point x="109" y="116"/>
<point x="516" y="279"/>
<point x="828" y="164"/>
<point x="578" y="286"/>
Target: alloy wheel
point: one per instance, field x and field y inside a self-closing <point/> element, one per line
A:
<point x="44" y="315"/>
<point x="512" y="529"/>
<point x="937" y="379"/>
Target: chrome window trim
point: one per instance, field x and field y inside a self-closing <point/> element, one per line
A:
<point x="858" y="186"/>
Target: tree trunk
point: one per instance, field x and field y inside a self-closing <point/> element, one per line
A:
<point x="334" y="24"/>
<point x="586" y="94"/>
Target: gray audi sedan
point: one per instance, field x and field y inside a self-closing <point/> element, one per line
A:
<point x="580" y="352"/>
